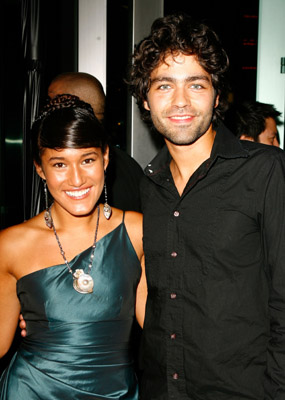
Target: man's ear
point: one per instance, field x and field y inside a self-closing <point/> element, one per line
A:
<point x="146" y="106"/>
<point x="245" y="137"/>
<point x="40" y="171"/>
<point x="217" y="101"/>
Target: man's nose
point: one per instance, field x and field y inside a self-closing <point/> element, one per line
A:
<point x="181" y="97"/>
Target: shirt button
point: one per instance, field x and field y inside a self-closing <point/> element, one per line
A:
<point x="176" y="213"/>
<point x="174" y="254"/>
<point x="173" y="296"/>
<point x="175" y="376"/>
<point x="173" y="336"/>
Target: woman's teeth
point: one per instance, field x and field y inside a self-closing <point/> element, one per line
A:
<point x="77" y="193"/>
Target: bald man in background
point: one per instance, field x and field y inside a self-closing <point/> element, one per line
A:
<point x="123" y="172"/>
<point x="83" y="85"/>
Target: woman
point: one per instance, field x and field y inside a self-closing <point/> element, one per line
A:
<point x="73" y="271"/>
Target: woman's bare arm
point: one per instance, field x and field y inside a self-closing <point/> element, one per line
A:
<point x="134" y="227"/>
<point x="9" y="302"/>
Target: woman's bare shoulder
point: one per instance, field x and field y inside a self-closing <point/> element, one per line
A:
<point x="133" y="222"/>
<point x="14" y="238"/>
<point x="134" y="219"/>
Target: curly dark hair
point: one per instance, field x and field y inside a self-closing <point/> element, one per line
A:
<point x="66" y="122"/>
<point x="172" y="35"/>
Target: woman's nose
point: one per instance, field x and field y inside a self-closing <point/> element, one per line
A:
<point x="76" y="176"/>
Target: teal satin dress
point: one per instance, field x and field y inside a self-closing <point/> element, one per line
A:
<point x="78" y="346"/>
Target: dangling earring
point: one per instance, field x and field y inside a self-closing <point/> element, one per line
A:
<point x="47" y="215"/>
<point x="107" y="210"/>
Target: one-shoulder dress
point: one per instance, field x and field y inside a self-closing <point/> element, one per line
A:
<point x="78" y="346"/>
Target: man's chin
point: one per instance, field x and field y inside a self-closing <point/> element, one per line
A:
<point x="187" y="141"/>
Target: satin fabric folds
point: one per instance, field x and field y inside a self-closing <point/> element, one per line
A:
<point x="78" y="345"/>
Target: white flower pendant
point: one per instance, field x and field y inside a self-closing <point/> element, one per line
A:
<point x="82" y="283"/>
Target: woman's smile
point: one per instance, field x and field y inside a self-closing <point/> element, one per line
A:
<point x="78" y="194"/>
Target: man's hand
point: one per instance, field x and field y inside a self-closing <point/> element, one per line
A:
<point x="22" y="326"/>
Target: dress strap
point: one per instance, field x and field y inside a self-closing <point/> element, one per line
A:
<point x="123" y="220"/>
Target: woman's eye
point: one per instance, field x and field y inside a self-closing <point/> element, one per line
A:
<point x="59" y="165"/>
<point x="88" y="161"/>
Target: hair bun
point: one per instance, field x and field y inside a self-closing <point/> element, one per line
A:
<point x="63" y="101"/>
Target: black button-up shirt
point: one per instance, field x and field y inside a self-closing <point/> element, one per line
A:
<point x="215" y="264"/>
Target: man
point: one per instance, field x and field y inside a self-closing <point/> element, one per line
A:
<point x="214" y="230"/>
<point x="258" y="122"/>
<point x="123" y="173"/>
<point x="83" y="85"/>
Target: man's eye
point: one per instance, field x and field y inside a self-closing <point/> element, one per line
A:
<point x="196" y="86"/>
<point x="164" y="87"/>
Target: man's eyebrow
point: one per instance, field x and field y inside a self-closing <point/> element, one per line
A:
<point x="173" y="80"/>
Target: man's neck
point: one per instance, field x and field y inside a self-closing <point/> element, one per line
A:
<point x="187" y="159"/>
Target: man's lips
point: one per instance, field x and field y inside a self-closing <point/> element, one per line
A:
<point x="76" y="194"/>
<point x="181" y="118"/>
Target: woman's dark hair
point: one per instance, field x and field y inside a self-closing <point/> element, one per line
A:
<point x="66" y="122"/>
<point x="172" y="35"/>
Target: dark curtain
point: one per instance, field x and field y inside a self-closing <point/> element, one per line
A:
<point x="33" y="71"/>
<point x="32" y="75"/>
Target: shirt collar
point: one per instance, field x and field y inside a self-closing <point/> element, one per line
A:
<point x="226" y="145"/>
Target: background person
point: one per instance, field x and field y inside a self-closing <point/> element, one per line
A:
<point x="73" y="270"/>
<point x="258" y="122"/>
